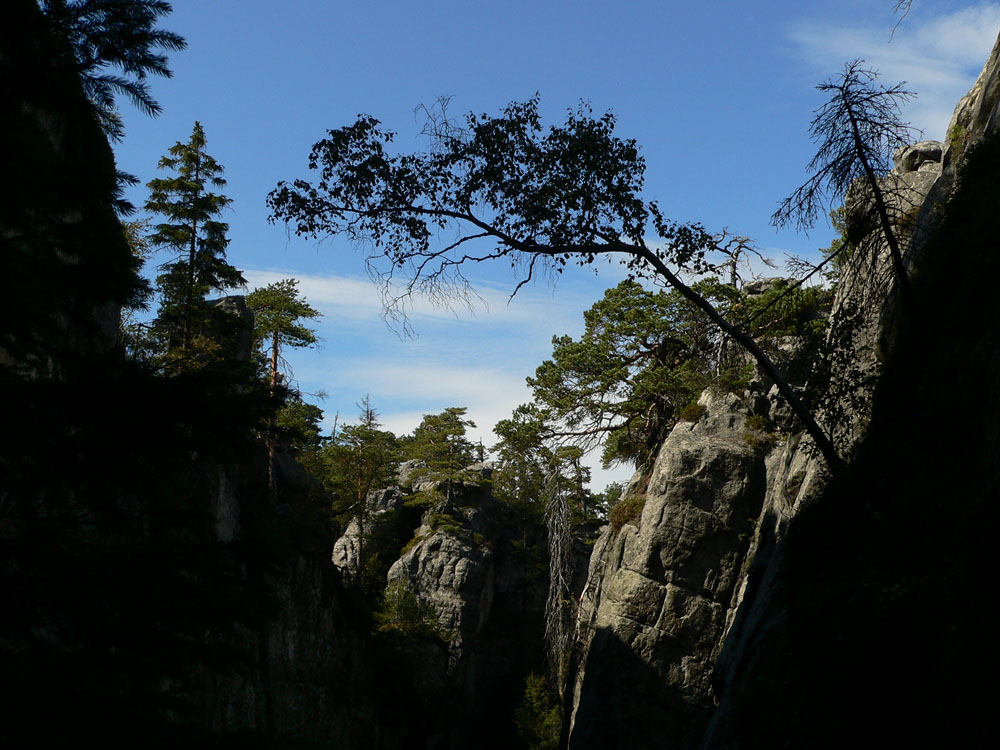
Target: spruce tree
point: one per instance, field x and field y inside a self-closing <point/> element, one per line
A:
<point x="196" y="238"/>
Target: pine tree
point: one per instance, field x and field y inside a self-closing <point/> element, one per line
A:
<point x="523" y="458"/>
<point x="358" y="459"/>
<point x="195" y="236"/>
<point x="277" y="310"/>
<point x="439" y="440"/>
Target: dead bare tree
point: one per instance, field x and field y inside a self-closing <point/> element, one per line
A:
<point x="857" y="132"/>
<point x="560" y="608"/>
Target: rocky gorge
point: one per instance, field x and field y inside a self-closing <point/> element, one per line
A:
<point x="757" y="600"/>
<point x="747" y="598"/>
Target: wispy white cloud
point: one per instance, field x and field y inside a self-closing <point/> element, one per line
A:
<point x="478" y="359"/>
<point x="358" y="298"/>
<point x="939" y="58"/>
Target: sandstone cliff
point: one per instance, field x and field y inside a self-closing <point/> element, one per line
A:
<point x="463" y="560"/>
<point x="753" y="603"/>
<point x="153" y="594"/>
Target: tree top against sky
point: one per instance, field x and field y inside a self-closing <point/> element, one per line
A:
<point x="719" y="98"/>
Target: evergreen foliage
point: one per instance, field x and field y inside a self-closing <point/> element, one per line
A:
<point x="197" y="240"/>
<point x="642" y="358"/>
<point x="113" y="34"/>
<point x="404" y="614"/>
<point x="439" y="441"/>
<point x="522" y="458"/>
<point x="278" y="309"/>
<point x="356" y="460"/>
<point x="298" y="422"/>
<point x="538" y="718"/>
<point x="67" y="263"/>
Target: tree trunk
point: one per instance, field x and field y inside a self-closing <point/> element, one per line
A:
<point x="823" y="443"/>
<point x="192" y="254"/>
<point x="272" y="480"/>
<point x="883" y="216"/>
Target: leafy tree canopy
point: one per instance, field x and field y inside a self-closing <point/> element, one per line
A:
<point x="643" y="357"/>
<point x="505" y="189"/>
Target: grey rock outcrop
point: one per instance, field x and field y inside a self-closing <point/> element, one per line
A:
<point x="380" y="507"/>
<point x="454" y="575"/>
<point x="450" y="562"/>
<point x="761" y="286"/>
<point x="407" y="472"/>
<point x="488" y="602"/>
<point x="236" y="335"/>
<point x="685" y="618"/>
<point x="659" y="589"/>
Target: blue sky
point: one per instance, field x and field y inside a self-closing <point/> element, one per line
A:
<point x="718" y="94"/>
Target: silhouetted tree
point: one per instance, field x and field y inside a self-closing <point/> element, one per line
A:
<point x="542" y="199"/>
<point x="193" y="233"/>
<point x="115" y="34"/>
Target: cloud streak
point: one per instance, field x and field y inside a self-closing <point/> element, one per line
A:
<point x="475" y="359"/>
<point x="938" y="58"/>
<point x="358" y="298"/>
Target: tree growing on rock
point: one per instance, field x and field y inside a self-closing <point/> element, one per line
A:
<point x="195" y="237"/>
<point x="644" y="355"/>
<point x="440" y="442"/>
<point x="278" y="311"/>
<point x="504" y="189"/>
<point x="358" y="459"/>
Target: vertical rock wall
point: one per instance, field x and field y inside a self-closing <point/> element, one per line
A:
<point x="695" y="622"/>
<point x="659" y="589"/>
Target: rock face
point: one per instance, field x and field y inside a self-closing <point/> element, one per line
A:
<point x="488" y="602"/>
<point x="867" y="577"/>
<point x="463" y="565"/>
<point x="834" y="582"/>
<point x="659" y="589"/>
<point x="68" y="268"/>
<point x="382" y="508"/>
<point x="754" y="603"/>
